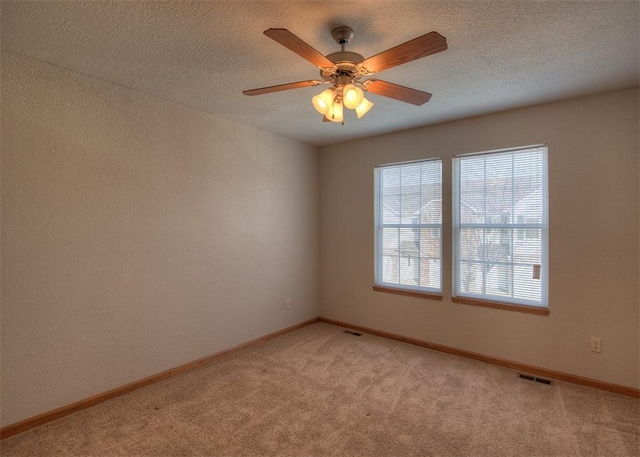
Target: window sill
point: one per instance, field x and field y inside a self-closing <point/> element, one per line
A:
<point x="410" y="293"/>
<point x="499" y="305"/>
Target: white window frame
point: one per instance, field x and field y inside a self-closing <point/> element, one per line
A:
<point x="515" y="227"/>
<point x="379" y="226"/>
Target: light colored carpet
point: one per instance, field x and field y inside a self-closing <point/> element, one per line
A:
<point x="322" y="392"/>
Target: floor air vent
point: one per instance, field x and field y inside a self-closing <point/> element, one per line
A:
<point x="534" y="379"/>
<point x="351" y="332"/>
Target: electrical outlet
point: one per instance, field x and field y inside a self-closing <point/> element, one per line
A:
<point x="287" y="304"/>
<point x="596" y="344"/>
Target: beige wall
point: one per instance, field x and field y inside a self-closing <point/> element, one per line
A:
<point x="594" y="252"/>
<point x="138" y="235"/>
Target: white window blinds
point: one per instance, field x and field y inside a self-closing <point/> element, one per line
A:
<point x="501" y="226"/>
<point x="408" y="209"/>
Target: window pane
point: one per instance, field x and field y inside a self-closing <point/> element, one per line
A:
<point x="390" y="252"/>
<point x="390" y="182"/>
<point x="411" y="192"/>
<point x="529" y="248"/>
<point x="500" y="226"/>
<point x="498" y="279"/>
<point x="496" y="245"/>
<point x="409" y="215"/>
<point x="470" y="244"/>
<point x="430" y="272"/>
<point x="431" y="190"/>
<point x="524" y="283"/>
<point x="409" y="259"/>
<point x="471" y="278"/>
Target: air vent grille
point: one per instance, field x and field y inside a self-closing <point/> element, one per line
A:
<point x="528" y="377"/>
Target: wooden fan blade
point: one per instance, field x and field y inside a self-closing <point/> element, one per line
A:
<point x="425" y="45"/>
<point x="402" y="93"/>
<point x="278" y="88"/>
<point x="295" y="44"/>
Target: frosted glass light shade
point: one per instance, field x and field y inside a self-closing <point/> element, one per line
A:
<point x="335" y="113"/>
<point x="363" y="108"/>
<point x="323" y="101"/>
<point x="352" y="96"/>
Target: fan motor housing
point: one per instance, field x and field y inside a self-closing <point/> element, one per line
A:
<point x="345" y="57"/>
<point x="346" y="63"/>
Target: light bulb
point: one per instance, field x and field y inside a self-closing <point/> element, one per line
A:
<point x="352" y="96"/>
<point x="323" y="101"/>
<point x="363" y="108"/>
<point x="335" y="113"/>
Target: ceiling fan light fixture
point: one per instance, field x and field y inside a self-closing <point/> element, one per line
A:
<point x="323" y="101"/>
<point x="352" y="96"/>
<point x="344" y="70"/>
<point x="363" y="108"/>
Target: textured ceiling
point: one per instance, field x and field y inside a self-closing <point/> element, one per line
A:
<point x="502" y="54"/>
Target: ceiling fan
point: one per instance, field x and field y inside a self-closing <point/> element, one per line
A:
<point x="345" y="71"/>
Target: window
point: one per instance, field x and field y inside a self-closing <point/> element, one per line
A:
<point x="500" y="226"/>
<point x="408" y="212"/>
